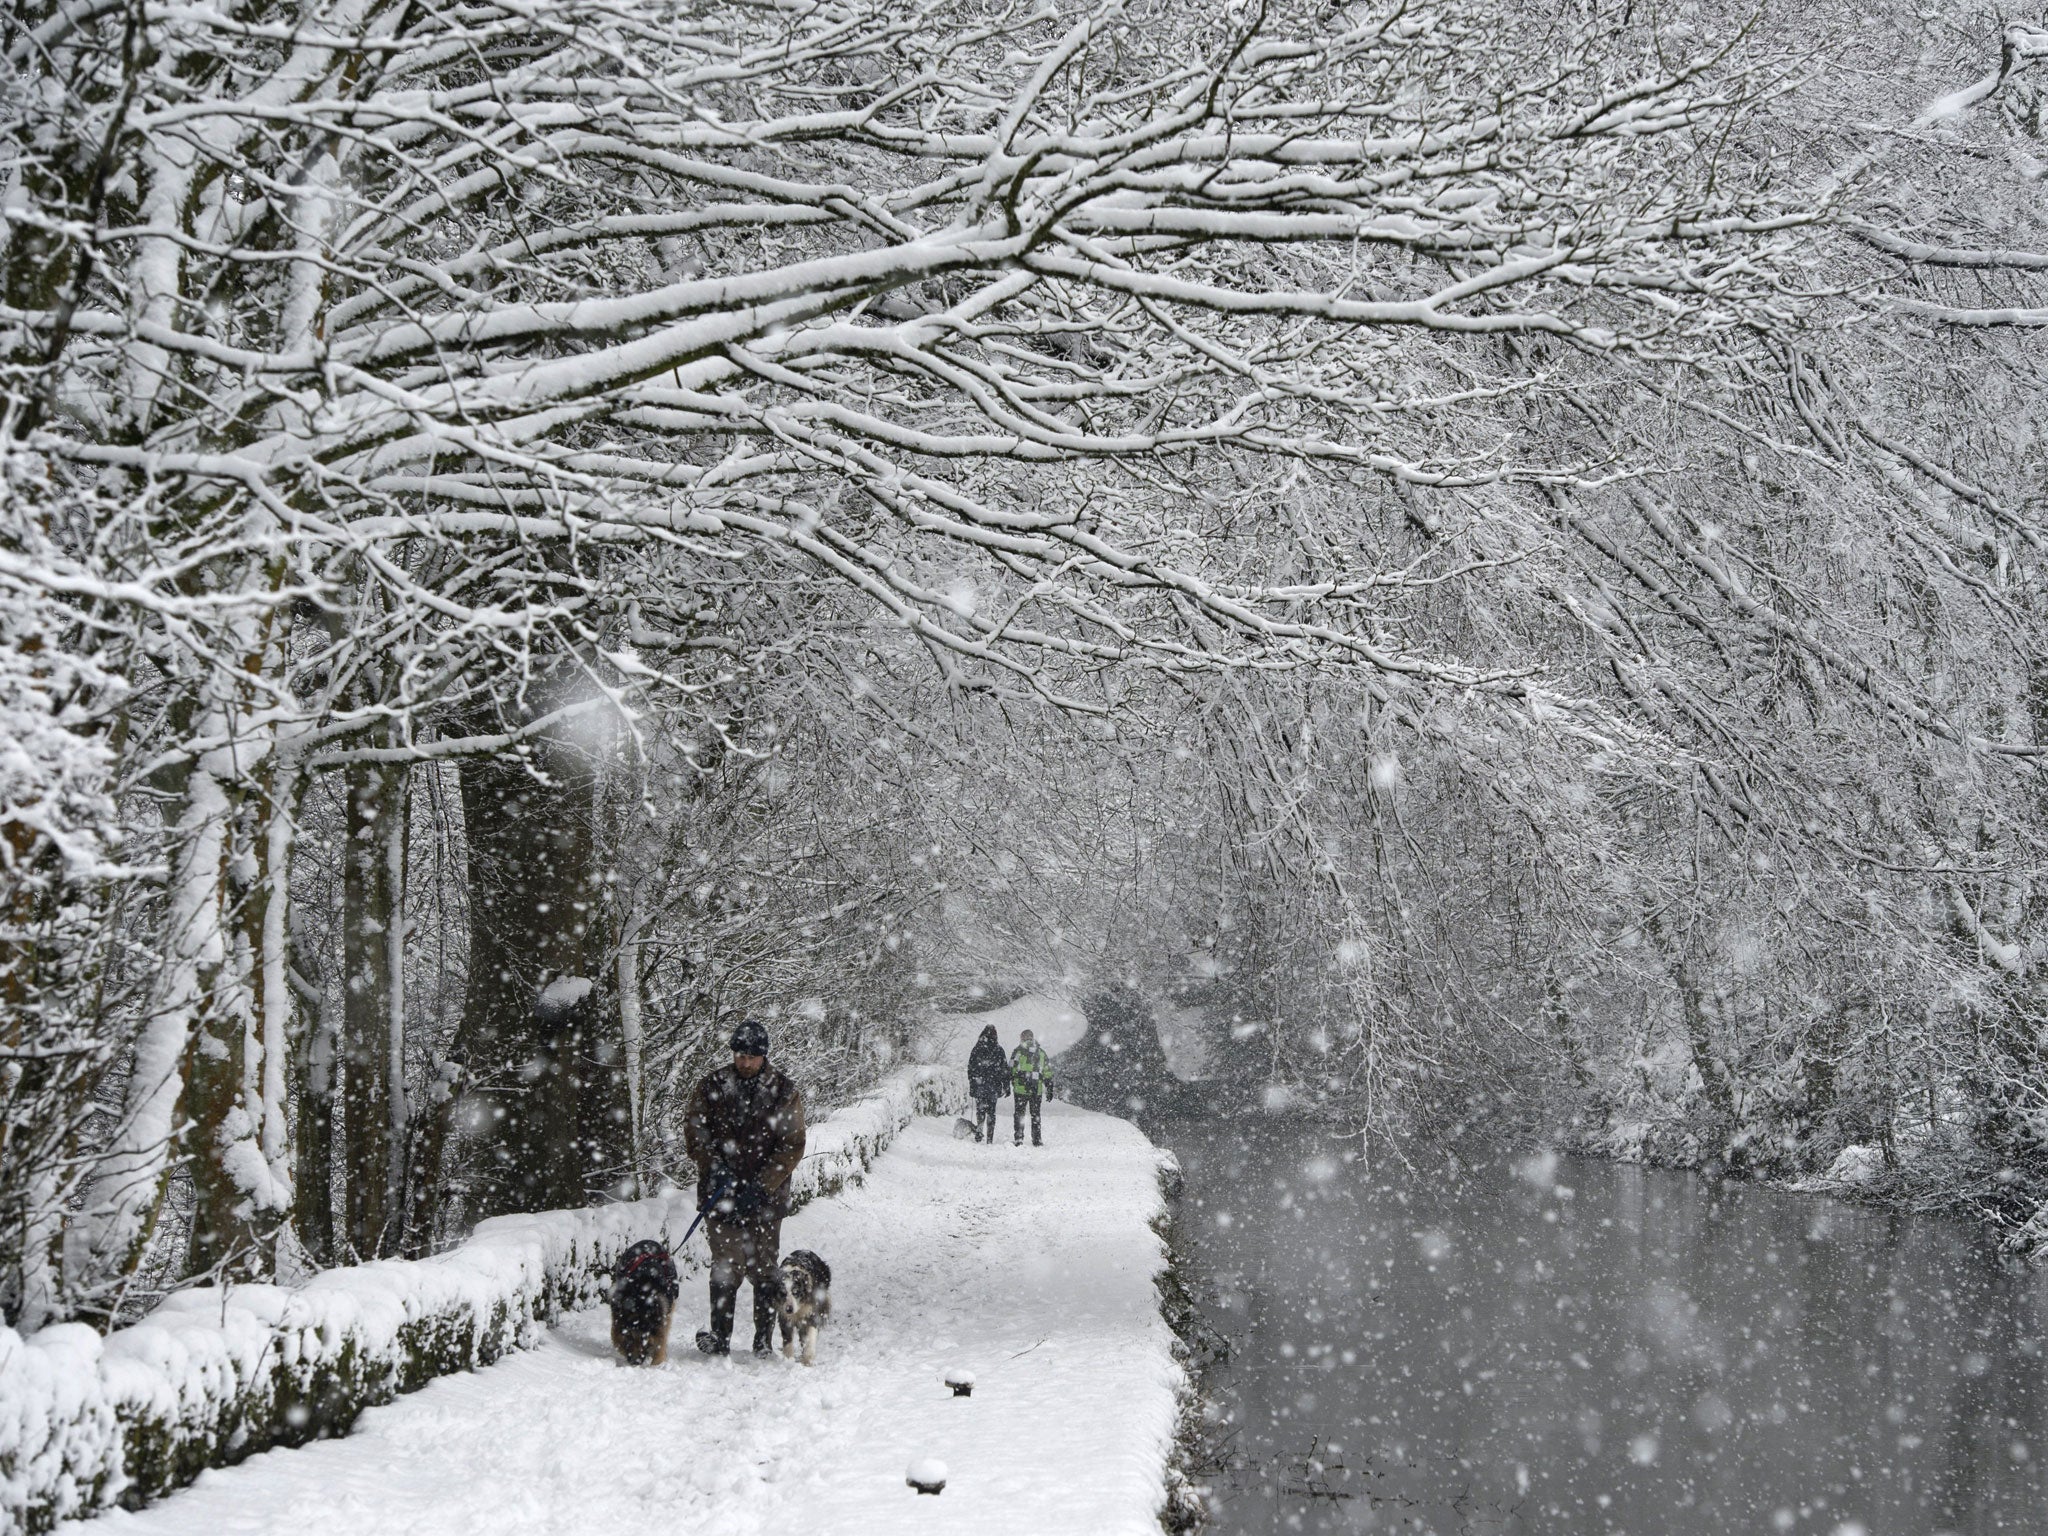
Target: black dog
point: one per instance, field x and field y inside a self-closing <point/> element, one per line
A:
<point x="803" y="1300"/>
<point x="644" y="1291"/>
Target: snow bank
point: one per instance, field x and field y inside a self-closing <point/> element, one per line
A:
<point x="1854" y="1167"/>
<point x="2030" y="1239"/>
<point x="1036" y="1270"/>
<point x="216" y="1374"/>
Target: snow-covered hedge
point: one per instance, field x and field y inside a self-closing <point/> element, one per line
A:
<point x="217" y="1374"/>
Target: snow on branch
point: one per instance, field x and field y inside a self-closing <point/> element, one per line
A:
<point x="648" y="270"/>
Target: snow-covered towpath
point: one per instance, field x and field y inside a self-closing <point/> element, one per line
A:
<point x="1031" y="1268"/>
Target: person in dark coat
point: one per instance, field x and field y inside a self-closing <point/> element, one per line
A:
<point x="988" y="1079"/>
<point x="744" y="1130"/>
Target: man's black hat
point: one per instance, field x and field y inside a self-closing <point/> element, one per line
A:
<point x="750" y="1039"/>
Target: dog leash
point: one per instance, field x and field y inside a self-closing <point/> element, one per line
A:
<point x="704" y="1210"/>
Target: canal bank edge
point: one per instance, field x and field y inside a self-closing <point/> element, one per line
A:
<point x="1198" y="1349"/>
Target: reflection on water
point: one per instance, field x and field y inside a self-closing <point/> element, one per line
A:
<point x="1543" y="1345"/>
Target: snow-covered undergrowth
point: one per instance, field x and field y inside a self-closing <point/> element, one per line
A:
<point x="1200" y="1349"/>
<point x="1036" y="1271"/>
<point x="216" y="1374"/>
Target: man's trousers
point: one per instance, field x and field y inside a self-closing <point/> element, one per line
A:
<point x="743" y="1250"/>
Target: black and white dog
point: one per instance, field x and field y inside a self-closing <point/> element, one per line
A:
<point x="643" y="1298"/>
<point x="803" y="1300"/>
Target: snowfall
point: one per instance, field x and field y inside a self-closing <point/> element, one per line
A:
<point x="1030" y="1269"/>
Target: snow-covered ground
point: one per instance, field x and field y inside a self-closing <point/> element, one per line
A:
<point x="1030" y="1268"/>
<point x="85" y="1418"/>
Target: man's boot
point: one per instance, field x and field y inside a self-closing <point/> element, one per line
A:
<point x="764" y="1320"/>
<point x="717" y="1339"/>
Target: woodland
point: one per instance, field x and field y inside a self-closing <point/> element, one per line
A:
<point x="1488" y="557"/>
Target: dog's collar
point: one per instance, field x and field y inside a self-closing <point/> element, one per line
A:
<point x="657" y="1253"/>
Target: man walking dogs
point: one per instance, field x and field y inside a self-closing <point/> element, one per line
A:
<point x="744" y="1130"/>
<point x="1030" y="1082"/>
<point x="988" y="1079"/>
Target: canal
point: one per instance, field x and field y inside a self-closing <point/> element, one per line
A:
<point x="1529" y="1345"/>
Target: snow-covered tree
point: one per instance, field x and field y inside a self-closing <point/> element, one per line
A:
<point x="522" y="394"/>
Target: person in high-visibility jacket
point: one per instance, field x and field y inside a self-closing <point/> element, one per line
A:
<point x="1030" y="1084"/>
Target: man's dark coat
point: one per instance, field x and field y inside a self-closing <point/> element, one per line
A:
<point x="746" y="1128"/>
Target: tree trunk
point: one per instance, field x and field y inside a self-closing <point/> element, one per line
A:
<point x="125" y="1200"/>
<point x="269" y="929"/>
<point x="601" y="1158"/>
<point x="433" y="1110"/>
<point x="1821" y="1078"/>
<point x="314" y="1143"/>
<point x="629" y="1041"/>
<point x="432" y="1129"/>
<point x="544" y="1095"/>
<point x="372" y="957"/>
<point x="198" y="1052"/>
<point x="1559" y="1019"/>
<point x="31" y="1231"/>
<point x="238" y="1202"/>
<point x="397" y="810"/>
<point x="1714" y="1076"/>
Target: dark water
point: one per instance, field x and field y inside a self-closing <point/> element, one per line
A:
<point x="1542" y="1345"/>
